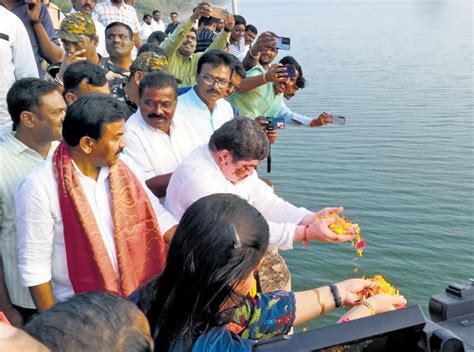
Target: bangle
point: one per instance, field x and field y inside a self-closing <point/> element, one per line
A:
<point x="252" y="55"/>
<point x="336" y="295"/>
<point x="369" y="306"/>
<point x="345" y="320"/>
<point x="320" y="301"/>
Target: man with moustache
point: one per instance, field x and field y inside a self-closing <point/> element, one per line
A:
<point x="37" y="110"/>
<point x="117" y="11"/>
<point x="87" y="7"/>
<point x="85" y="220"/>
<point x="204" y="105"/>
<point x="228" y="164"/>
<point x="181" y="45"/>
<point x="158" y="139"/>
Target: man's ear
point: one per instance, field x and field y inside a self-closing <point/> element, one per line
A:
<point x="224" y="157"/>
<point x="28" y="119"/>
<point x="70" y="98"/>
<point x="87" y="144"/>
<point x="137" y="77"/>
<point x="95" y="41"/>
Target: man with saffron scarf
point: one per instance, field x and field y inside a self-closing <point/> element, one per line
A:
<point x="85" y="221"/>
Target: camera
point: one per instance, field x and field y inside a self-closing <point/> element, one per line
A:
<point x="272" y="123"/>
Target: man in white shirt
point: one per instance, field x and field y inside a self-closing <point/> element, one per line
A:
<point x="146" y="27"/>
<point x="157" y="139"/>
<point x="158" y="24"/>
<point x="85" y="221"/>
<point x="227" y="165"/>
<point x="204" y="105"/>
<point x="37" y="110"/>
<point x="16" y="61"/>
<point x="87" y="7"/>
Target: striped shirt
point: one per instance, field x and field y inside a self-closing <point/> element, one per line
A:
<point x="204" y="38"/>
<point x="106" y="13"/>
<point x="17" y="161"/>
<point x="237" y="48"/>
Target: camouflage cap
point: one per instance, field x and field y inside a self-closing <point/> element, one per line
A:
<point x="150" y="61"/>
<point x="75" y="26"/>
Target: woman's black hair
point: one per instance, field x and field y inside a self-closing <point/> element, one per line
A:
<point x="219" y="241"/>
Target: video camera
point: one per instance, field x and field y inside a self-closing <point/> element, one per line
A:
<point x="450" y="330"/>
<point x="270" y="124"/>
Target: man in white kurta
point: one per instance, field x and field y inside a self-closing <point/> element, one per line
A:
<point x="204" y="105"/>
<point x="158" y="139"/>
<point x="227" y="165"/>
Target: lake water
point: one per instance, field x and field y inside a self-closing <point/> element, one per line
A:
<point x="403" y="165"/>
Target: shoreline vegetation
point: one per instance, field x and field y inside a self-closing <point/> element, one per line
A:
<point x="183" y="7"/>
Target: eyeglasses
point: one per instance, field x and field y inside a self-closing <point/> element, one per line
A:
<point x="233" y="87"/>
<point x="210" y="81"/>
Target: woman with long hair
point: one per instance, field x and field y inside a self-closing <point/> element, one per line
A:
<point x="201" y="301"/>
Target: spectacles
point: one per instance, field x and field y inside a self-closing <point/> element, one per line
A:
<point x="210" y="81"/>
<point x="233" y="87"/>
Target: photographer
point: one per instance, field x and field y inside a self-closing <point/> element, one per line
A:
<point x="262" y="91"/>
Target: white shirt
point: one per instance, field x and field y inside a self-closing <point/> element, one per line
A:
<point x="158" y="26"/>
<point x="199" y="176"/>
<point x="16" y="60"/>
<point x="155" y="152"/>
<point x="145" y="31"/>
<point x="40" y="231"/>
<point x="204" y="121"/>
<point x="16" y="160"/>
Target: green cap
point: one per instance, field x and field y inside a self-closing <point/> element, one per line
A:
<point x="150" y="61"/>
<point x="75" y="26"/>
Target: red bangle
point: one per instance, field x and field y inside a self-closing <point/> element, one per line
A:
<point x="344" y="320"/>
<point x="305" y="236"/>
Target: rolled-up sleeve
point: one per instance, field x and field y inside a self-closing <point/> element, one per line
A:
<point x="35" y="233"/>
<point x="292" y="117"/>
<point x="281" y="215"/>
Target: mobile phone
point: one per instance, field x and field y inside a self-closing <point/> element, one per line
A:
<point x="337" y="119"/>
<point x="219" y="13"/>
<point x="283" y="43"/>
<point x="290" y="70"/>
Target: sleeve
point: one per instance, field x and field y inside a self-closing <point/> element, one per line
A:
<point x="136" y="22"/>
<point x="292" y="117"/>
<point x="22" y="52"/>
<point x="265" y="315"/>
<point x="35" y="233"/>
<point x="281" y="215"/>
<point x="48" y="25"/>
<point x="182" y="193"/>
<point x="220" y="41"/>
<point x="173" y="42"/>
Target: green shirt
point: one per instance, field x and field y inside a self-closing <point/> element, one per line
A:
<point x="185" y="68"/>
<point x="260" y="101"/>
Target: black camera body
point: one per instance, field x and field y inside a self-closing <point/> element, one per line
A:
<point x="272" y="123"/>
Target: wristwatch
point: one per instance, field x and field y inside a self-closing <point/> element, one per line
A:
<point x="336" y="294"/>
<point x="35" y="22"/>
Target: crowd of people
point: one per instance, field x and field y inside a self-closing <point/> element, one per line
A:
<point x="132" y="216"/>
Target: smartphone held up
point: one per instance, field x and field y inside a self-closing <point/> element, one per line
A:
<point x="283" y="43"/>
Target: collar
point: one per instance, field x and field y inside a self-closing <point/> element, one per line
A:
<point x="17" y="147"/>
<point x="198" y="101"/>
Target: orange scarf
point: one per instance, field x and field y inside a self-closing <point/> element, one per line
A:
<point x="141" y="250"/>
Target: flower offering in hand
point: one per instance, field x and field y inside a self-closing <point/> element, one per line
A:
<point x="380" y="285"/>
<point x="343" y="226"/>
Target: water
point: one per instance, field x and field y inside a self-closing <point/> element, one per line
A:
<point x="403" y="165"/>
